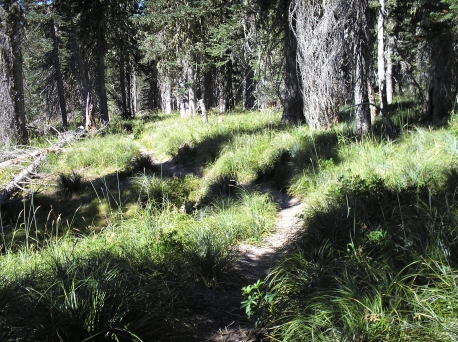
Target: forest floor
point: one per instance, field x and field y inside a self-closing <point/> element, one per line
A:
<point x="218" y="315"/>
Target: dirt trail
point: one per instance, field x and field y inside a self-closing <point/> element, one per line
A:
<point x="255" y="262"/>
<point x="217" y="313"/>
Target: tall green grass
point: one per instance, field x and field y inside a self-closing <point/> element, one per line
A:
<point x="98" y="154"/>
<point x="377" y="258"/>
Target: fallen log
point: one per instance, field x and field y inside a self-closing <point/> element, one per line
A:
<point x="19" y="159"/>
<point x="28" y="172"/>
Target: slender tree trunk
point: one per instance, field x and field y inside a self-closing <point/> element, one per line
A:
<point x="389" y="71"/>
<point x="166" y="94"/>
<point x="104" y="118"/>
<point x="132" y="89"/>
<point x="191" y="90"/>
<point x="15" y="19"/>
<point x="293" y="104"/>
<point x="59" y="79"/>
<point x="439" y="96"/>
<point x="223" y="98"/>
<point x="202" y="94"/>
<point x="247" y="89"/>
<point x="207" y="92"/>
<point x="83" y="76"/>
<point x="230" y="100"/>
<point x="381" y="56"/>
<point x="153" y="92"/>
<point x="362" y="62"/>
<point x="122" y="83"/>
<point x="372" y="108"/>
<point x="8" y="134"/>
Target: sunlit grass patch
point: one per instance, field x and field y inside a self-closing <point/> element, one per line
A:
<point x="99" y="155"/>
<point x="167" y="136"/>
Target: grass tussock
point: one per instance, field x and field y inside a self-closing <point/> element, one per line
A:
<point x="378" y="254"/>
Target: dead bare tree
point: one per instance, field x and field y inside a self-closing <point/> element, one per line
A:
<point x="322" y="42"/>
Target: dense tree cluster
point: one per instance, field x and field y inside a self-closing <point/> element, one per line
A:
<point x="80" y="61"/>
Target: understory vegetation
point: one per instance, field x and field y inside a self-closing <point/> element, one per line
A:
<point x="116" y="238"/>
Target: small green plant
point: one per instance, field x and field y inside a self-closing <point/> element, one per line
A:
<point x="258" y="301"/>
<point x="69" y="183"/>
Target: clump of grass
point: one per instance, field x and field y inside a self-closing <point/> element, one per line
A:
<point x="380" y="243"/>
<point x="143" y="163"/>
<point x="99" y="154"/>
<point x="222" y="186"/>
<point x="178" y="192"/>
<point x="69" y="184"/>
<point x="209" y="255"/>
<point x="98" y="296"/>
<point x="206" y="140"/>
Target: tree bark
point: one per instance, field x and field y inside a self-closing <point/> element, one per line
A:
<point x="122" y="84"/>
<point x="389" y="71"/>
<point x="439" y="96"/>
<point x="166" y="92"/>
<point x="132" y="89"/>
<point x="59" y="79"/>
<point x="247" y="89"/>
<point x="207" y="93"/>
<point x="293" y="104"/>
<point x="192" y="90"/>
<point x="381" y="56"/>
<point x="103" y="102"/>
<point x="223" y="89"/>
<point x="373" y="109"/>
<point x="362" y="62"/>
<point x="83" y="75"/>
<point x="15" y="20"/>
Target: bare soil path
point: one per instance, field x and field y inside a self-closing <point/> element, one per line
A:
<point x="225" y="320"/>
<point x="216" y="311"/>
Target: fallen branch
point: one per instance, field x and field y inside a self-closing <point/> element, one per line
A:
<point x="13" y="186"/>
<point x="26" y="174"/>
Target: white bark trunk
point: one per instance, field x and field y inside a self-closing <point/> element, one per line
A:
<point x="191" y="91"/>
<point x="166" y="94"/>
<point x="389" y="71"/>
<point x="381" y="55"/>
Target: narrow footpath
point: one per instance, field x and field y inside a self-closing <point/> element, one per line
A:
<point x="228" y="321"/>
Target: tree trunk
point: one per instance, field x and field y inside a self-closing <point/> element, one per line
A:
<point x="381" y="56"/>
<point x="166" y="94"/>
<point x="247" y="89"/>
<point x="103" y="102"/>
<point x="223" y="91"/>
<point x="59" y="79"/>
<point x="131" y="89"/>
<point x="192" y="90"/>
<point x="439" y="96"/>
<point x="207" y="93"/>
<point x="151" y="96"/>
<point x="362" y="62"/>
<point x="15" y="20"/>
<point x="83" y="76"/>
<point x="122" y="83"/>
<point x="373" y="109"/>
<point x="293" y="104"/>
<point x="389" y="71"/>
